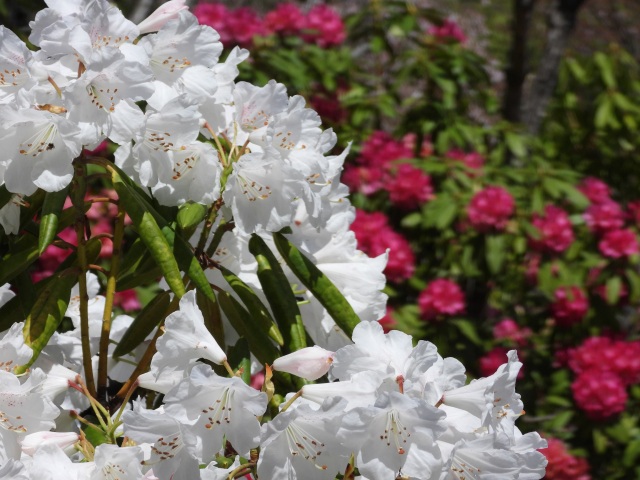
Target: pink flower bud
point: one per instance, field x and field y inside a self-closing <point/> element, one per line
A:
<point x="164" y="13"/>
<point x="309" y="363"/>
<point x="33" y="441"/>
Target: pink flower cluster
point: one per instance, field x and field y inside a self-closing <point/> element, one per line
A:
<point x="561" y="464"/>
<point x="508" y="330"/>
<point x="441" y="297"/>
<point x="322" y="25"/>
<point x="375" y="237"/>
<point x="595" y="190"/>
<point x="570" y="306"/>
<point x="604" y="368"/>
<point x="490" y="209"/>
<point x="376" y="169"/>
<point x="555" y="233"/>
<point x="448" y="31"/>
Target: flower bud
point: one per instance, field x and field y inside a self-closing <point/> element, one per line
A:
<point x="164" y="13"/>
<point x="309" y="363"/>
<point x="33" y="441"/>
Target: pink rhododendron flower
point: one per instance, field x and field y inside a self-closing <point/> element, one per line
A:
<point x="633" y="212"/>
<point x="561" y="464"/>
<point x="508" y="329"/>
<point x="570" y="306"/>
<point x="409" y="187"/>
<point x="604" y="216"/>
<point x="363" y="179"/>
<point x="324" y="27"/>
<point x="127" y="300"/>
<point x="490" y="209"/>
<point x="381" y="149"/>
<point x="216" y="16"/>
<point x="600" y="395"/>
<point x="245" y="24"/>
<point x="441" y="297"/>
<point x="604" y="354"/>
<point x="595" y="190"/>
<point x="375" y="237"/>
<point x="286" y="19"/>
<point x="555" y="232"/>
<point x="618" y="243"/>
<point x="448" y="30"/>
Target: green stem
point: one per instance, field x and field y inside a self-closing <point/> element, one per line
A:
<point x="108" y="307"/>
<point x="79" y="192"/>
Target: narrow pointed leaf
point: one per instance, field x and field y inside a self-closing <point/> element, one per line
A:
<point x="319" y="284"/>
<point x="23" y="255"/>
<point x="152" y="236"/>
<point x="262" y="348"/>
<point x="279" y="294"/>
<point x="52" y="303"/>
<point x="144" y="323"/>
<point x="183" y="256"/>
<point x="260" y="317"/>
<point x="51" y="210"/>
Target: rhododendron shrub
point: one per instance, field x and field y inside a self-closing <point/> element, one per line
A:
<point x="199" y="298"/>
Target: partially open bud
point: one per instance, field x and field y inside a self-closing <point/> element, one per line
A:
<point x="164" y="13"/>
<point x="309" y="363"/>
<point x="64" y="440"/>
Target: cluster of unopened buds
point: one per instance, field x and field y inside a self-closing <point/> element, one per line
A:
<point x="258" y="162"/>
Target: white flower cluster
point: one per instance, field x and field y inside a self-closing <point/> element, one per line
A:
<point x="189" y="133"/>
<point x="399" y="410"/>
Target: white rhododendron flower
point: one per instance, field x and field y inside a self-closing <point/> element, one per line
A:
<point x="310" y="363"/>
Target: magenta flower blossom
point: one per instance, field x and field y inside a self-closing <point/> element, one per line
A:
<point x="570" y="306"/>
<point x="491" y="209"/>
<point x="441" y="297"/>
<point x="555" y="232"/>
<point x="619" y="243"/>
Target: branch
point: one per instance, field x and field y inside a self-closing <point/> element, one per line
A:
<point x="562" y="20"/>
<point x="517" y="61"/>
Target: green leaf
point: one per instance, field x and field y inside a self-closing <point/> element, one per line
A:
<point x="264" y="350"/>
<point x="495" y="252"/>
<point x="144" y="323"/>
<point x="51" y="210"/>
<point x="24" y="253"/>
<point x="440" y="212"/>
<point x="52" y="303"/>
<point x="190" y="215"/>
<point x="634" y="283"/>
<point x="516" y="144"/>
<point x="613" y="287"/>
<point x="319" y="284"/>
<point x="172" y="252"/>
<point x="412" y="220"/>
<point x="151" y="235"/>
<point x="259" y="317"/>
<point x="600" y="441"/>
<point x="239" y="357"/>
<point x="467" y="329"/>
<point x="279" y="294"/>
